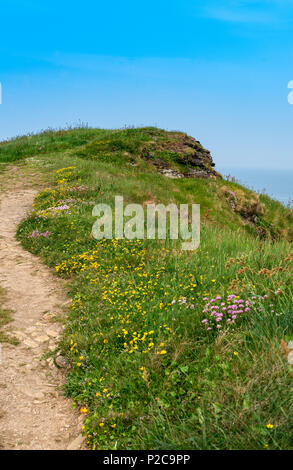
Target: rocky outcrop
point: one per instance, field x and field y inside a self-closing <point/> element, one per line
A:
<point x="178" y="155"/>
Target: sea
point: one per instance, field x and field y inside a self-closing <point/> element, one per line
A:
<point x="275" y="183"/>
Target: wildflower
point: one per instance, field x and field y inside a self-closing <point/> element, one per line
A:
<point x="233" y="195"/>
<point x="84" y="410"/>
<point x="270" y="426"/>
<point x="102" y="424"/>
<point x="162" y="352"/>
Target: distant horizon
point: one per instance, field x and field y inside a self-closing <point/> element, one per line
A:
<point x="275" y="182"/>
<point x="254" y="168"/>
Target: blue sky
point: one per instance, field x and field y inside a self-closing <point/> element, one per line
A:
<point x="218" y="70"/>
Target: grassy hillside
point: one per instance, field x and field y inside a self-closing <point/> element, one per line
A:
<point x="127" y="160"/>
<point x="154" y="364"/>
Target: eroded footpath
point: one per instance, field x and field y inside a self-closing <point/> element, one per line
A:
<point x="34" y="414"/>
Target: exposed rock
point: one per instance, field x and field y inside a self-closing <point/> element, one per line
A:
<point x="77" y="443"/>
<point x="42" y="339"/>
<point x="170" y="173"/>
<point x="30" y="344"/>
<point x="31" y="329"/>
<point x="51" y="346"/>
<point x="52" y="333"/>
<point x="48" y="316"/>
<point x="197" y="174"/>
<point x="290" y="345"/>
<point x="39" y="396"/>
<point x="170" y="148"/>
<point x="62" y="361"/>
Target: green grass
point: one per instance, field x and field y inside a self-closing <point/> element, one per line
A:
<point x="145" y="372"/>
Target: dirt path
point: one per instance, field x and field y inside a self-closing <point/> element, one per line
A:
<point x="34" y="414"/>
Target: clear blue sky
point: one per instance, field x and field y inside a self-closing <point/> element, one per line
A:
<point x="218" y="70"/>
